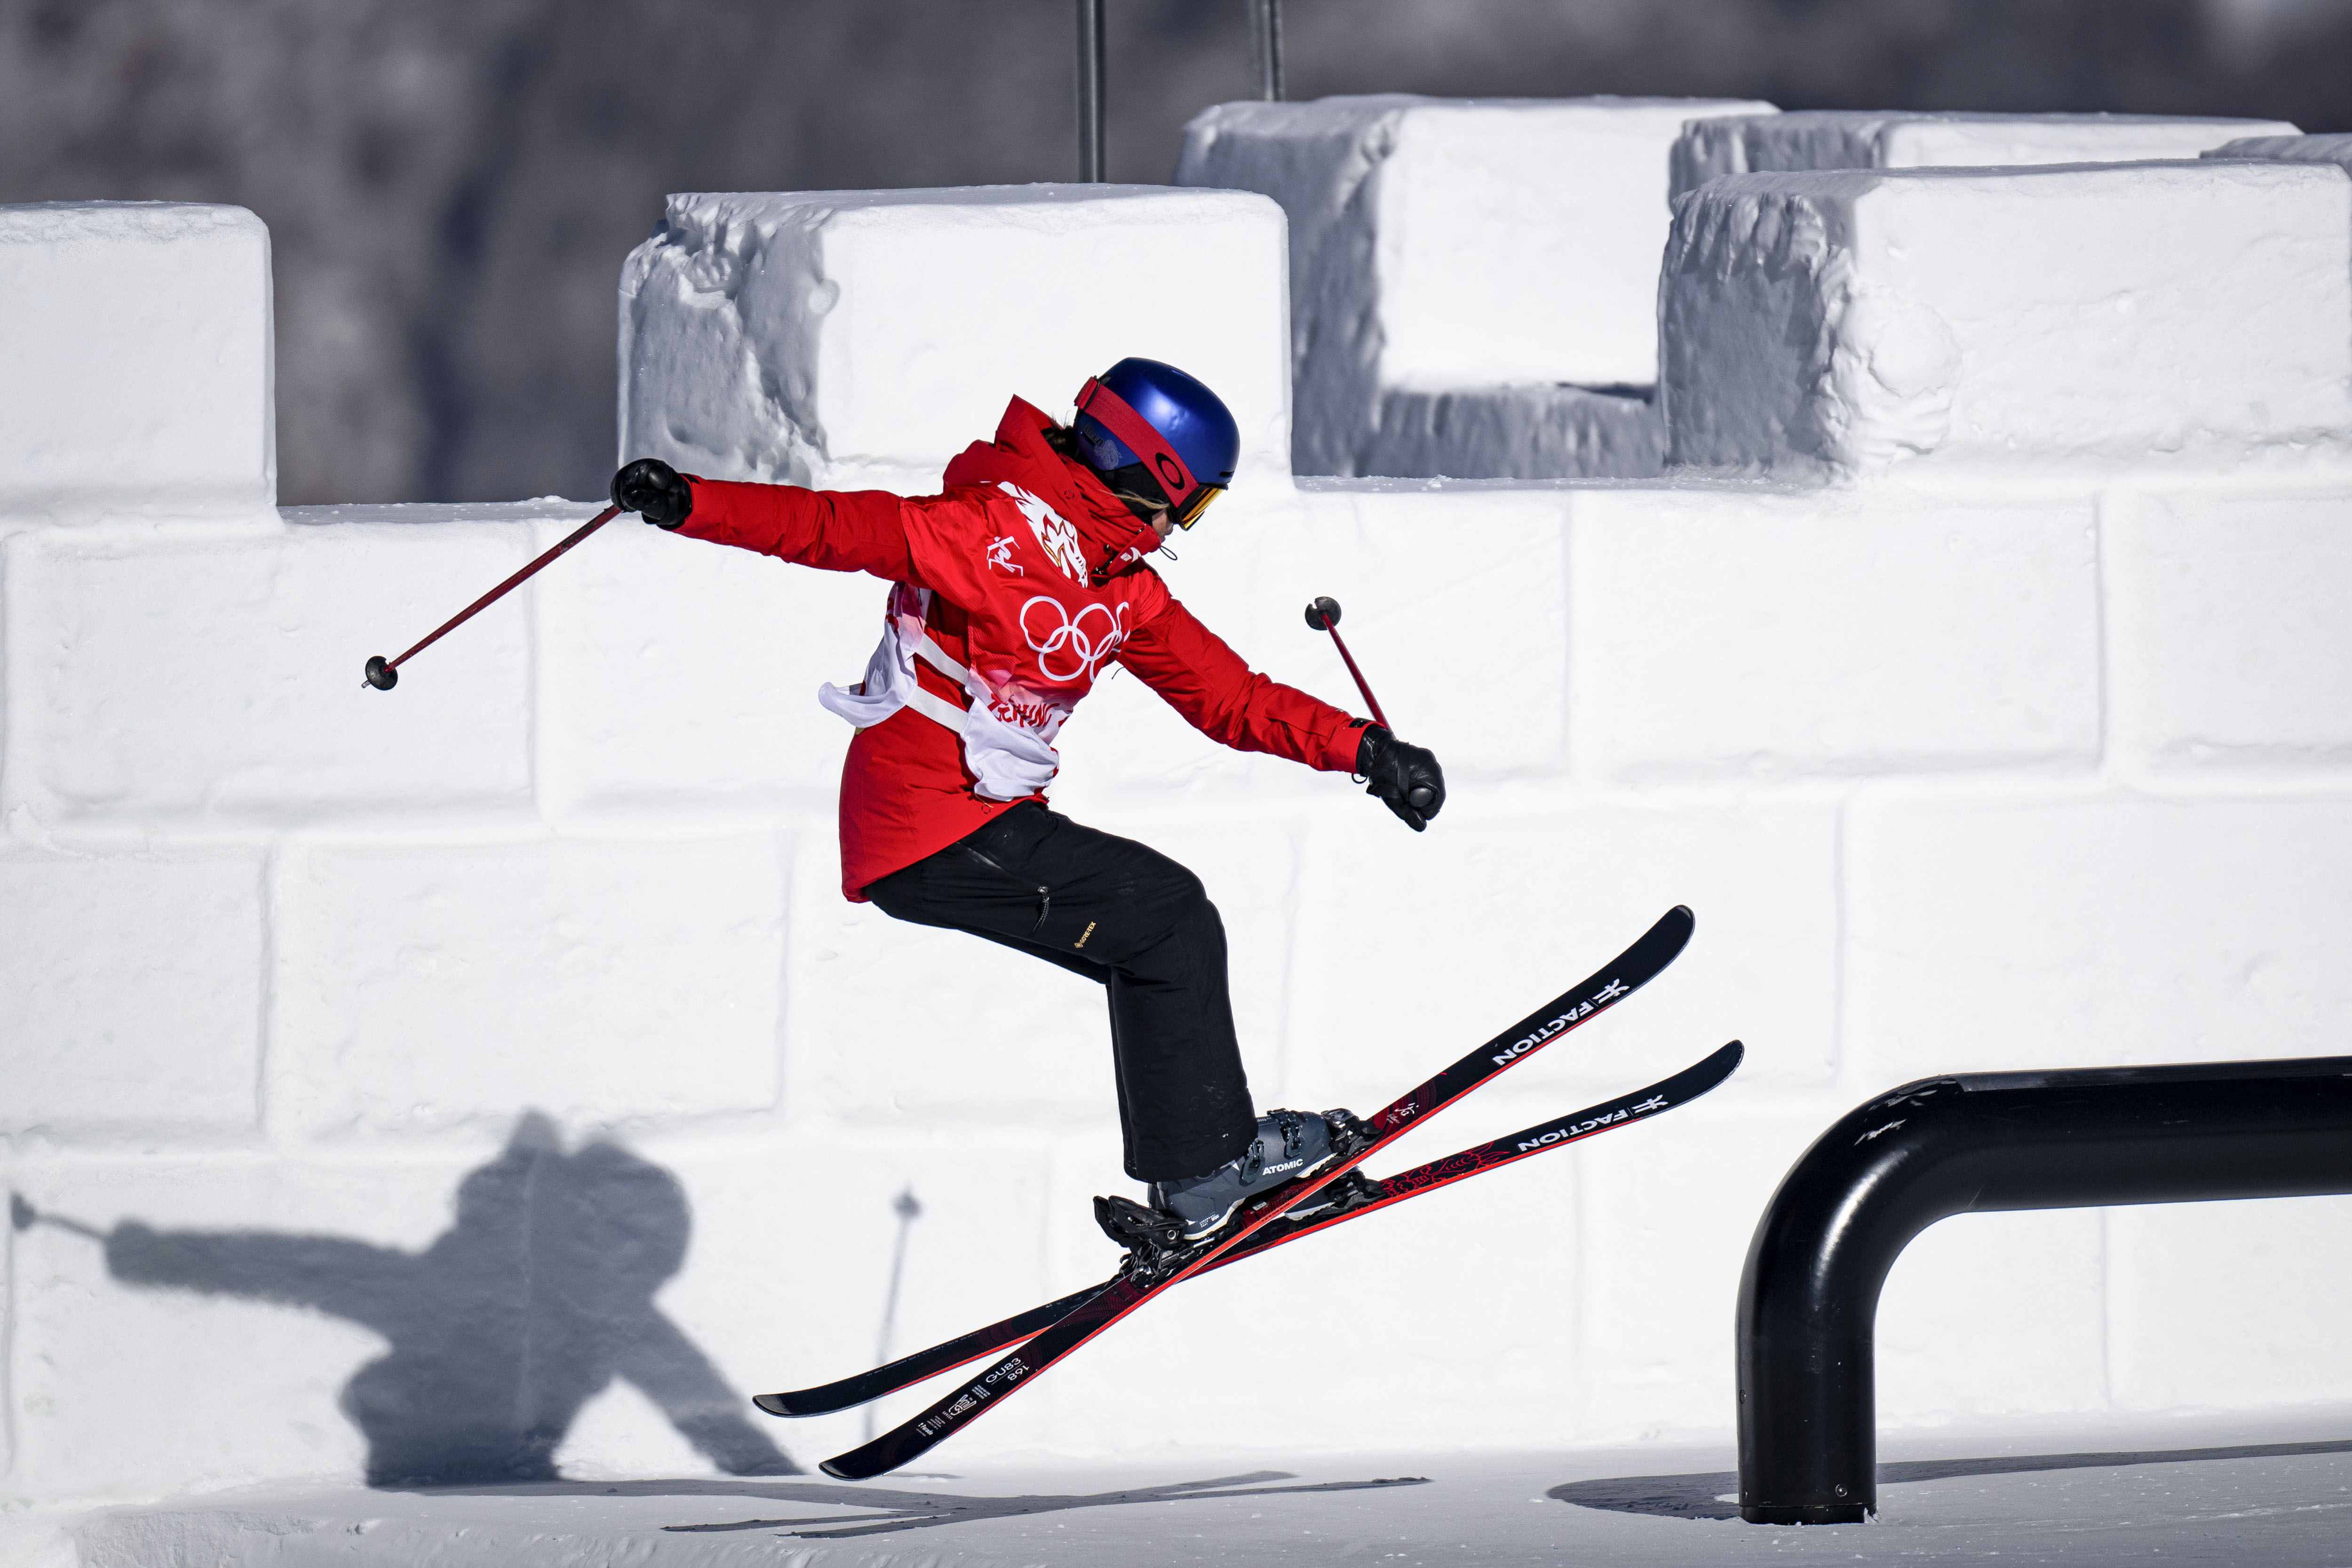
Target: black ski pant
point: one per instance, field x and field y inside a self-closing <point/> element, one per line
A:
<point x="1133" y="920"/>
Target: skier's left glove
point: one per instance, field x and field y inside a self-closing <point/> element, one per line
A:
<point x="1406" y="777"/>
<point x="655" y="491"/>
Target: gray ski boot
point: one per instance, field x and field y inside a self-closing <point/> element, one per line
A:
<point x="1291" y="1146"/>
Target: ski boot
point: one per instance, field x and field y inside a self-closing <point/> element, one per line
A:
<point x="1193" y="1212"/>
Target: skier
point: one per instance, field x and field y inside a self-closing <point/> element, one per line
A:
<point x="1012" y="592"/>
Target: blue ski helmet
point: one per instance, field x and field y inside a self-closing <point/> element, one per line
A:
<point x="1152" y="418"/>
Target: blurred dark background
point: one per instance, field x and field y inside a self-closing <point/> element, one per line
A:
<point x="451" y="183"/>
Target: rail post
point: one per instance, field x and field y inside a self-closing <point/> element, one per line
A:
<point x="1972" y="1143"/>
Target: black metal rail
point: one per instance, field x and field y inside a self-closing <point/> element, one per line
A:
<point x="1891" y="1168"/>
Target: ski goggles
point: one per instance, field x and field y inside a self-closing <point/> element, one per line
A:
<point x="1196" y="503"/>
<point x="1188" y="497"/>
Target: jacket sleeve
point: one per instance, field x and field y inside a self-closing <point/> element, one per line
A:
<point x="1195" y="673"/>
<point x="839" y="531"/>
<point x="931" y="542"/>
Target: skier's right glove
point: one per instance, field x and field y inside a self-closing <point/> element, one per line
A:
<point x="1406" y="777"/>
<point x="655" y="491"/>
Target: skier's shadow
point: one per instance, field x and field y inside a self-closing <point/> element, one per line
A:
<point x="536" y="1298"/>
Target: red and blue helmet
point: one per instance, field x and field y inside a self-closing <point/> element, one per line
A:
<point x="1147" y="427"/>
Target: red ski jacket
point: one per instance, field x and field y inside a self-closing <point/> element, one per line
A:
<point x="1012" y="590"/>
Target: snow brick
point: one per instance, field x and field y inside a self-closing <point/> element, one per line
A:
<point x="1497" y="248"/>
<point x="860" y="339"/>
<point x="137" y="343"/>
<point x="2002" y="323"/>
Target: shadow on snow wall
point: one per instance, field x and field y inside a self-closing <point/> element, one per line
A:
<point x="531" y="1304"/>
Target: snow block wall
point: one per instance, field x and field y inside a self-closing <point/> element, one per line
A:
<point x="794" y="337"/>
<point x="1474" y="281"/>
<point x="486" y="1078"/>
<point x="1848" y="139"/>
<point x="137" y="342"/>
<point x="2185" y="315"/>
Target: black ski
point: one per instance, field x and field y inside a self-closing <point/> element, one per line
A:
<point x="1361" y="1198"/>
<point x="1144" y="1278"/>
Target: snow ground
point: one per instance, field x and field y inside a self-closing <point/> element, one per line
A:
<point x="2274" y="1489"/>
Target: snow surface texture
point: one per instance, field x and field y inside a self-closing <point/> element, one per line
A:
<point x="2274" y="1492"/>
<point x="797" y="337"/>
<point x="1848" y="139"/>
<point x="485" y="1078"/>
<point x="1949" y="323"/>
<point x="1456" y="265"/>
<point x="137" y="342"/>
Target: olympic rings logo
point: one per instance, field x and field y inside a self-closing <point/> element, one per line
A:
<point x="1082" y="639"/>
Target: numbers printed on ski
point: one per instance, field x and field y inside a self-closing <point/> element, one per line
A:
<point x="1628" y="972"/>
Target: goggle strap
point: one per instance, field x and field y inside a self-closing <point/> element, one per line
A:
<point x="1113" y="412"/>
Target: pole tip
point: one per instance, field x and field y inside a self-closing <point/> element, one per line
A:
<point x="1323" y="614"/>
<point x="382" y="676"/>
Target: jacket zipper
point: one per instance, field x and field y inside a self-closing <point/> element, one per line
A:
<point x="1044" y="894"/>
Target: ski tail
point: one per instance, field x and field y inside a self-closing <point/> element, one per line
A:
<point x="867" y="1387"/>
<point x="1626" y="974"/>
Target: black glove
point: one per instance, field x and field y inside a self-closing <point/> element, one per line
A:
<point x="1405" y="776"/>
<point x="655" y="491"/>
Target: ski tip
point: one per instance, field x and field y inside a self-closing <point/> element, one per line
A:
<point x="844" y="1467"/>
<point x="1715" y="1069"/>
<point x="774" y="1404"/>
<point x="1671" y="931"/>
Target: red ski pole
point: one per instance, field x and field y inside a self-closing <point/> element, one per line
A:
<point x="385" y="674"/>
<point x="1323" y="615"/>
